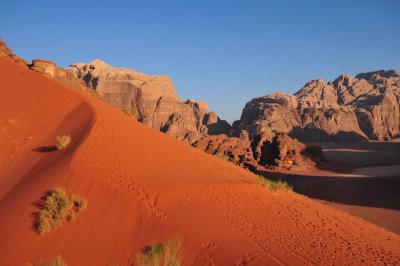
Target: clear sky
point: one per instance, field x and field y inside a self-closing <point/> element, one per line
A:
<point x="221" y="52"/>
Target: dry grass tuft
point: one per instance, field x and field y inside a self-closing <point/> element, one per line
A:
<point x="222" y="156"/>
<point x="57" y="261"/>
<point x="162" y="254"/>
<point x="59" y="207"/>
<point x="63" y="141"/>
<point x="132" y="112"/>
<point x="274" y="185"/>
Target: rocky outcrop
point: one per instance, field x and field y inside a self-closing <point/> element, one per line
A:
<point x="285" y="152"/>
<point x="154" y="97"/>
<point x="44" y="67"/>
<point x="279" y="152"/>
<point x="232" y="149"/>
<point x="7" y="53"/>
<point x="348" y="109"/>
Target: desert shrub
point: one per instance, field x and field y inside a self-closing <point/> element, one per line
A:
<point x="162" y="254"/>
<point x="71" y="217"/>
<point x="274" y="185"/>
<point x="132" y="112"/>
<point x="63" y="141"/>
<point x="57" y="261"/>
<point x="222" y="156"/>
<point x="58" y="206"/>
<point x="80" y="203"/>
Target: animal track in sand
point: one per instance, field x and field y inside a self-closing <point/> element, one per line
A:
<point x="108" y="167"/>
<point x="247" y="259"/>
<point x="246" y="214"/>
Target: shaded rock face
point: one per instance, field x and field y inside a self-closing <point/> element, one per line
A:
<point x="348" y="109"/>
<point x="279" y="152"/>
<point x="285" y="152"/>
<point x="233" y="149"/>
<point x="154" y="97"/>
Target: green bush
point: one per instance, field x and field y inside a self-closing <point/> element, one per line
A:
<point x="162" y="254"/>
<point x="57" y="261"/>
<point x="132" y="112"/>
<point x="58" y="207"/>
<point x="274" y="185"/>
<point x="62" y="141"/>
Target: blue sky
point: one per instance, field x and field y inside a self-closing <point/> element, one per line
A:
<point x="221" y="52"/>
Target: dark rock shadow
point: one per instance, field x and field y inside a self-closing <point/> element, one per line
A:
<point x="45" y="149"/>
<point x="380" y="192"/>
<point x="313" y="134"/>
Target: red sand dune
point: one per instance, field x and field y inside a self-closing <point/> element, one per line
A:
<point x="144" y="186"/>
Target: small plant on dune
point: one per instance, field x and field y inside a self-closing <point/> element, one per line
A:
<point x="57" y="261"/>
<point x="132" y="112"/>
<point x="62" y="141"/>
<point x="58" y="206"/>
<point x="162" y="254"/>
<point x="274" y="185"/>
<point x="80" y="203"/>
<point x="222" y="156"/>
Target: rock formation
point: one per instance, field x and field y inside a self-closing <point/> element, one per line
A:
<point x="44" y="67"/>
<point x="6" y="52"/>
<point x="154" y="97"/>
<point x="348" y="109"/>
<point x="285" y="152"/>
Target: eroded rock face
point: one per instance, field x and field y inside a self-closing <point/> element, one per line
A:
<point x="285" y="152"/>
<point x="348" y="109"/>
<point x="7" y="53"/>
<point x="153" y="96"/>
<point x="233" y="149"/>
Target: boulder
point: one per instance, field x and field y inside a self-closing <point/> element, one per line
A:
<point x="44" y="67"/>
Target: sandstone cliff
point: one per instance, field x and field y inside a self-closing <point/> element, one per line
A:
<point x="154" y="99"/>
<point x="348" y="109"/>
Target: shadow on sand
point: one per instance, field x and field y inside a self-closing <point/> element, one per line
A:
<point x="45" y="149"/>
<point x="380" y="192"/>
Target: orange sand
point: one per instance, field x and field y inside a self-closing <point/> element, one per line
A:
<point x="144" y="186"/>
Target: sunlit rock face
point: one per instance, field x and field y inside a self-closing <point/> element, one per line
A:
<point x="348" y="109"/>
<point x="153" y="97"/>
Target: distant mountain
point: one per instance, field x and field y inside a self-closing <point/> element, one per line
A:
<point x="348" y="109"/>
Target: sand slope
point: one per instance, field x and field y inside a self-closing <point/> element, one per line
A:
<point x="144" y="186"/>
